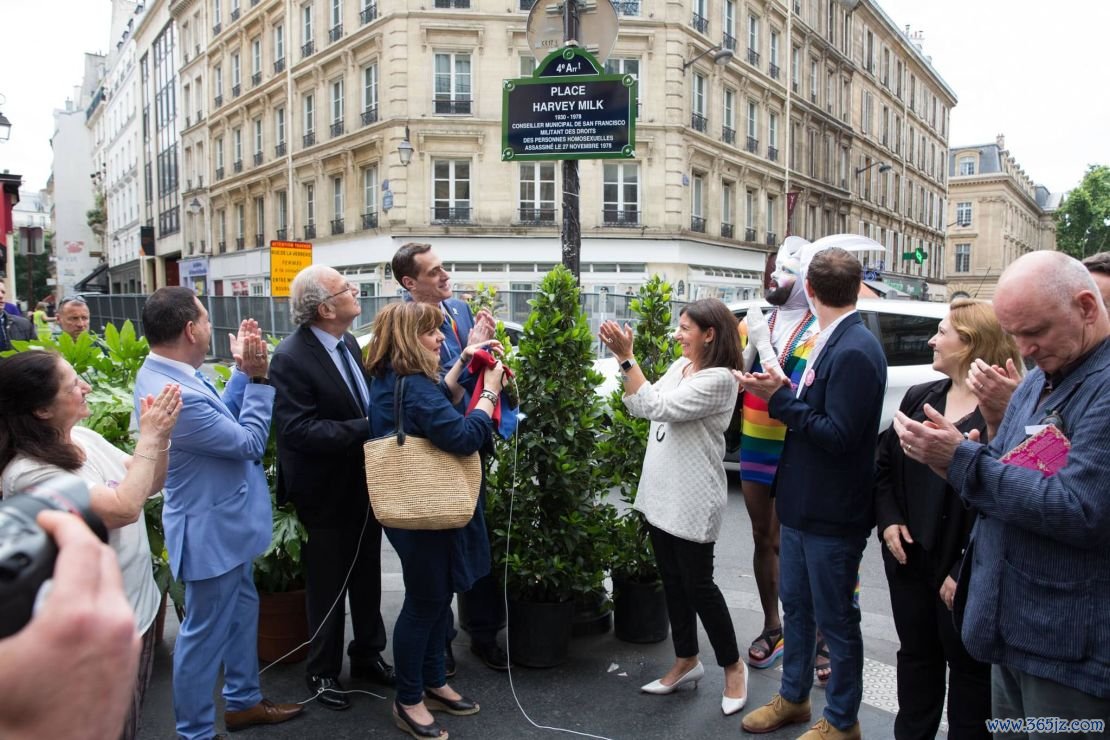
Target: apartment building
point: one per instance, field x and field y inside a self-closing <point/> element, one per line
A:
<point x="996" y="214"/>
<point x="288" y="115"/>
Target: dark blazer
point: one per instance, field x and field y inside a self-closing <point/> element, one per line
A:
<point x="909" y="493"/>
<point x="825" y="479"/>
<point x="320" y="428"/>
<point x="17" y="327"/>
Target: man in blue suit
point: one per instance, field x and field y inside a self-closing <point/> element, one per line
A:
<point x="420" y="271"/>
<point x="217" y="513"/>
<point x="823" y="496"/>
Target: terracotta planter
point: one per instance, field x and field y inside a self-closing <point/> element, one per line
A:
<point x="282" y="626"/>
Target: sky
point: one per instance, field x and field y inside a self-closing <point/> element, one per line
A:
<point x="1038" y="76"/>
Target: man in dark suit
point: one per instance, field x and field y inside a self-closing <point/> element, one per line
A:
<point x="320" y="423"/>
<point x="420" y="271"/>
<point x="823" y="491"/>
<point x="12" y="326"/>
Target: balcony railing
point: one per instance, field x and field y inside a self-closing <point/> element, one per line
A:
<point x="191" y="249"/>
<point x="752" y="145"/>
<point x="200" y="181"/>
<point x="537" y="215"/>
<point x="259" y="240"/>
<point x="335" y="33"/>
<point x="458" y="106"/>
<point x="699" y="23"/>
<point x="216" y="28"/>
<point x="222" y="247"/>
<point x="794" y="86"/>
<point x="729" y="42"/>
<point x="310" y="138"/>
<point x="237" y="165"/>
<point x="726" y="231"/>
<point x="370" y="220"/>
<point x="620" y="217"/>
<point x="336" y="226"/>
<point x="452" y="3"/>
<point x="310" y="231"/>
<point x="749" y="234"/>
<point x="203" y="246"/>
<point x="369" y="13"/>
<point x="772" y="239"/>
<point x="219" y="100"/>
<point x="451" y="214"/>
<point x="256" y="79"/>
<point x="728" y="135"/>
<point x="235" y="90"/>
<point x="187" y="123"/>
<point x="697" y="223"/>
<point x="772" y="154"/>
<point x="257" y="158"/>
<point x="235" y="14"/>
<point x="370" y="115"/>
<point x="279" y="66"/>
<point x="200" y="116"/>
<point x="188" y="184"/>
<point x="240" y="242"/>
<point x="219" y="173"/>
<point x="773" y="70"/>
<point x="307" y="48"/>
<point x="279" y="150"/>
<point x="281" y="234"/>
<point x="337" y="128"/>
<point x="627" y="7"/>
<point x="753" y="57"/>
<point x="699" y="122"/>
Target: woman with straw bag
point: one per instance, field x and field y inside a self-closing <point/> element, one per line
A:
<point x="436" y="563"/>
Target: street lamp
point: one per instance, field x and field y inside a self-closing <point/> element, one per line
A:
<point x="405" y="149"/>
<point x="5" y="128"/>
<point x="721" y="57"/>
<point x="195" y="207"/>
<point x="883" y="167"/>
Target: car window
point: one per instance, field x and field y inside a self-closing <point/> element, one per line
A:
<point x="905" y="339"/>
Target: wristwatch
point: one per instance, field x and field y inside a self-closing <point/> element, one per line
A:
<point x="260" y="379"/>
<point x="628" y="364"/>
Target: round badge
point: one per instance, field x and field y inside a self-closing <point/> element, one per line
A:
<point x="809" y="378"/>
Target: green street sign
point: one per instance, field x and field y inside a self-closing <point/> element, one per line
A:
<point x="918" y="255"/>
<point x="569" y="109"/>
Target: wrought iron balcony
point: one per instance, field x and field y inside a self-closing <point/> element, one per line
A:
<point x="200" y="181"/>
<point x="235" y="14"/>
<point x="279" y="66"/>
<point x="219" y="173"/>
<point x="259" y="240"/>
<point x="728" y="135"/>
<point x="256" y="79"/>
<point x="370" y="220"/>
<point x="370" y="115"/>
<point x="337" y="128"/>
<point x="458" y="106"/>
<point x="279" y="150"/>
<point x="726" y="231"/>
<point x="222" y="247"/>
<point x="203" y="246"/>
<point x="216" y="28"/>
<point x="697" y="223"/>
<point x="310" y="231"/>
<point x="752" y="145"/>
<point x="369" y="13"/>
<point x="187" y="123"/>
<point x="699" y="122"/>
<point x="335" y="33"/>
<point x="240" y="242"/>
<point x="620" y="217"/>
<point x="257" y="158"/>
<point x="452" y="4"/>
<point x="749" y="234"/>
<point x="627" y="7"/>
<point x="337" y="226"/>
<point x="235" y="90"/>
<point x="728" y="42"/>
<point x="772" y="154"/>
<point x="753" y="57"/>
<point x="238" y="165"/>
<point x="794" y="86"/>
<point x="773" y="70"/>
<point x="772" y="239"/>
<point x="310" y="138"/>
<point x="451" y="214"/>
<point x="307" y="48"/>
<point x="219" y="100"/>
<point x="537" y="215"/>
<point x="281" y="234"/>
<point x="200" y="116"/>
<point x="699" y="23"/>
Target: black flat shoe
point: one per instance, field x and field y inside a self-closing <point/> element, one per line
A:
<point x="460" y="707"/>
<point x="328" y="692"/>
<point x="414" y="728"/>
<point x="376" y="671"/>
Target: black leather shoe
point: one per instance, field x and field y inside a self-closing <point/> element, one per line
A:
<point x="449" y="665"/>
<point x="327" y="692"/>
<point x="409" y="725"/>
<point x="491" y="654"/>
<point x="460" y="707"/>
<point x="376" y="671"/>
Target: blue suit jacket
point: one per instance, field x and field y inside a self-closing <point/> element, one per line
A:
<point x="1038" y="594"/>
<point x="217" y="512"/>
<point x="824" y="484"/>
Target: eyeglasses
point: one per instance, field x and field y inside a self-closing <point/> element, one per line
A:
<point x="351" y="288"/>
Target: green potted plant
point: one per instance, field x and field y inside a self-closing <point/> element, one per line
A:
<point x="543" y="506"/>
<point x="640" y="611"/>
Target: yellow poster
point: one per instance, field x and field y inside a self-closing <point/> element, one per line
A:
<point x="286" y="260"/>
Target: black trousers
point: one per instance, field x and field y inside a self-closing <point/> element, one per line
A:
<point x="687" y="570"/>
<point x="328" y="556"/>
<point x="929" y="645"/>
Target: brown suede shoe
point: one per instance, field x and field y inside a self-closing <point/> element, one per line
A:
<point x="775" y="714"/>
<point x="264" y="712"/>
<point x="824" y="731"/>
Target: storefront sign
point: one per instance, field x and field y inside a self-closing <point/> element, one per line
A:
<point x="286" y="260"/>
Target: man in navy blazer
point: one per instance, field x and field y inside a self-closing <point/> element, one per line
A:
<point x="320" y="423"/>
<point x="217" y="513"/>
<point x="1035" y="580"/>
<point x="823" y="496"/>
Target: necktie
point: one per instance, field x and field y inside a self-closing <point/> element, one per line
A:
<point x="348" y="363"/>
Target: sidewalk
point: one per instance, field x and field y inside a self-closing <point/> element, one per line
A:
<point x="596" y="691"/>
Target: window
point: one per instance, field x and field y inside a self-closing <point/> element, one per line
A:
<point x="537" y="192"/>
<point x="279" y="46"/>
<point x="452" y="83"/>
<point x="528" y="65"/>
<point x="753" y="126"/>
<point x="237" y="147"/>
<point x="337" y="103"/>
<point x="869" y="52"/>
<point x="773" y="55"/>
<point x="728" y="117"/>
<point x="240" y="225"/>
<point x="337" y="198"/>
<point x="619" y="66"/>
<point x="219" y="157"/>
<point x="337" y="14"/>
<point x="236" y="73"/>
<point x="451" y="189"/>
<point x="697" y="203"/>
<point x="795" y="55"/>
<point x="967" y="165"/>
<point x="621" y="193"/>
<point x="279" y="126"/>
<point x="259" y="220"/>
<point x="697" y="103"/>
<point x="726" y="210"/>
<point x="369" y="197"/>
<point x="749" y="213"/>
<point x="700" y="21"/>
<point x="256" y="61"/>
<point x="772" y="136"/>
<point x="771" y="220"/>
<point x="753" y="39"/>
<point x="370" y="93"/>
<point x="729" y="40"/>
<point x="813" y="80"/>
<point x="963" y="213"/>
<point x="963" y="258"/>
<point x="282" y="212"/>
<point x="218" y="83"/>
<point x="309" y="204"/>
<point x="309" y="119"/>
<point x="258" y="140"/>
<point x="905" y="339"/>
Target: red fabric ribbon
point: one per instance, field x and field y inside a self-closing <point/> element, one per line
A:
<point x="480" y="361"/>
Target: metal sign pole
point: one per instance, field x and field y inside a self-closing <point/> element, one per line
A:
<point x="572" y="224"/>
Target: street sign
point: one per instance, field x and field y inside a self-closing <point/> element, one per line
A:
<point x="569" y="109"/>
<point x="387" y="200"/>
<point x="286" y="260"/>
<point x="597" y="27"/>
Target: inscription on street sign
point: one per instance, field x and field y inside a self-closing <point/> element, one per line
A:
<point x="569" y="110"/>
<point x="286" y="260"/>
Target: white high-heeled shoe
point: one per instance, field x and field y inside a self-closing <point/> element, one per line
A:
<point x="731" y="706"/>
<point x="693" y="675"/>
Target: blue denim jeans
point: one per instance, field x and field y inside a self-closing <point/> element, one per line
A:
<point x="418" y="641"/>
<point x="817" y="575"/>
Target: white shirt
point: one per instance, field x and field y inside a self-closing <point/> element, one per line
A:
<point x="822" y="337"/>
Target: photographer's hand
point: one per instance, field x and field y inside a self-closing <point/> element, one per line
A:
<point x="70" y="672"/>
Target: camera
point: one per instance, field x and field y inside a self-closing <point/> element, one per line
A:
<point x="27" y="553"/>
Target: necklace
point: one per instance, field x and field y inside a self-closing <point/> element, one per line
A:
<point x="795" y="337"/>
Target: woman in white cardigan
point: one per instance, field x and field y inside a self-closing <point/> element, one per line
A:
<point x="683" y="488"/>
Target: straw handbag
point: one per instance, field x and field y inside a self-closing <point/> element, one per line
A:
<point x="415" y="485"/>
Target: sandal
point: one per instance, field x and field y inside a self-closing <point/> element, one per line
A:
<point x="822" y="670"/>
<point x="766" y="649"/>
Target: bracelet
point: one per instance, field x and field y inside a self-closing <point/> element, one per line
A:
<point x="169" y="443"/>
<point x="489" y="396"/>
